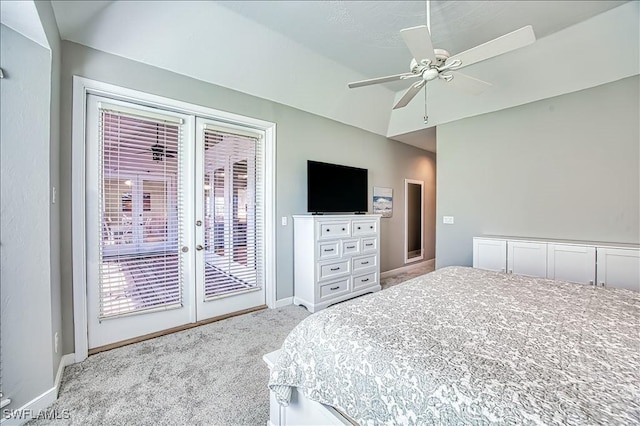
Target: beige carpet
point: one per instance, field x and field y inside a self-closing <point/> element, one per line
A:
<point x="208" y="375"/>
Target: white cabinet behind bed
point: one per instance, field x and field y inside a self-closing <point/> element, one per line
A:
<point x="619" y="268"/>
<point x="490" y="254"/>
<point x="613" y="264"/>
<point x="336" y="257"/>
<point x="527" y="258"/>
<point x="573" y="263"/>
<point x="513" y="256"/>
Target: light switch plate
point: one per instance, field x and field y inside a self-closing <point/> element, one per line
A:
<point x="447" y="220"/>
<point x="284" y="220"/>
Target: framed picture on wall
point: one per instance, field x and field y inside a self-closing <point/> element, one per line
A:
<point x="383" y="201"/>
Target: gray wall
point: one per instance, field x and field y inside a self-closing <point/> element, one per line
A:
<point x="27" y="363"/>
<point x="565" y="167"/>
<point x="50" y="26"/>
<point x="300" y="136"/>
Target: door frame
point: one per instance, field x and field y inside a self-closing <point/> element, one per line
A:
<point x="81" y="88"/>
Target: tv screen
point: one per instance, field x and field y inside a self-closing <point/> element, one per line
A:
<point x="332" y="188"/>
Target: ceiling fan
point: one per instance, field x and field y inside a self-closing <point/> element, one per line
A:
<point x="429" y="63"/>
<point x="159" y="152"/>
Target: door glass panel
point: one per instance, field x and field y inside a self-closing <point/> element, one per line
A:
<point x="155" y="214"/>
<point x="140" y="267"/>
<point x="229" y="191"/>
<point x="239" y="245"/>
<point x="219" y="207"/>
<point x="117" y="228"/>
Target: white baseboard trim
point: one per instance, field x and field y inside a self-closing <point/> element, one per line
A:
<point x="283" y="302"/>
<point x="67" y="359"/>
<point x="407" y="268"/>
<point x="39" y="404"/>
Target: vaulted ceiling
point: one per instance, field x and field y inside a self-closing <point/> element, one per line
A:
<point x="303" y="53"/>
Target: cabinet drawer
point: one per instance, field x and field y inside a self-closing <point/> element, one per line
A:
<point x="369" y="244"/>
<point x="363" y="227"/>
<point x="364" y="262"/>
<point x="328" y="250"/>
<point x="365" y="280"/>
<point x="334" y="230"/>
<point x="330" y="270"/>
<point x="350" y="247"/>
<point x="334" y="289"/>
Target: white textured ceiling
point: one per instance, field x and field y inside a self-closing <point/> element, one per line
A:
<point x="22" y="16"/>
<point x="364" y="35"/>
<point x="306" y="51"/>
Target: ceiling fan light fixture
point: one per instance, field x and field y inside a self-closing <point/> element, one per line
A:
<point x="430" y="74"/>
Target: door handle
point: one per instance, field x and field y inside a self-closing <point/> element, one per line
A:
<point x="199" y="247"/>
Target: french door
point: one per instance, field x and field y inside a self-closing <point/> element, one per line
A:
<point x="174" y="219"/>
<point x="230" y="231"/>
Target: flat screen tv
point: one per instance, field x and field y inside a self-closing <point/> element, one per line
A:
<point x="332" y="188"/>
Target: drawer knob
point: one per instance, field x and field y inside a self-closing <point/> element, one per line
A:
<point x="369" y="245"/>
<point x="358" y="227"/>
<point x="328" y="230"/>
<point x="351" y="247"/>
<point x="328" y="249"/>
<point x="371" y="227"/>
<point x="365" y="280"/>
<point x="334" y="288"/>
<point x="335" y="269"/>
<point x="343" y="229"/>
<point x="365" y="263"/>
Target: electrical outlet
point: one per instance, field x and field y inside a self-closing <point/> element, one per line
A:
<point x="56" y="340"/>
<point x="447" y="220"/>
<point x="285" y="220"/>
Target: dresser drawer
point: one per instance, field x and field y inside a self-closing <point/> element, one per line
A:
<point x="334" y="230"/>
<point x="365" y="262"/>
<point x="364" y="227"/>
<point x="350" y="247"/>
<point x="365" y="280"/>
<point x="334" y="289"/>
<point x="369" y="244"/>
<point x="330" y="270"/>
<point x="328" y="250"/>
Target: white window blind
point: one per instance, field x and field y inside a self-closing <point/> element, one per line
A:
<point x="234" y="211"/>
<point x="141" y="208"/>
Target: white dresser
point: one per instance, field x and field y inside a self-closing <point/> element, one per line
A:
<point x="336" y="257"/>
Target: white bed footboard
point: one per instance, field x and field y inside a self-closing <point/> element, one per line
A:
<point x="300" y="411"/>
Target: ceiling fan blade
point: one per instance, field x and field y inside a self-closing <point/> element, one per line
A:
<point x="503" y="44"/>
<point x="468" y="84"/>
<point x="410" y="94"/>
<point x="418" y="40"/>
<point x="379" y="80"/>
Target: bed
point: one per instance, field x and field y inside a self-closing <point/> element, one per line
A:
<point x="463" y="345"/>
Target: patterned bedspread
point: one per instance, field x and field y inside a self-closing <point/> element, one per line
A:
<point x="462" y="345"/>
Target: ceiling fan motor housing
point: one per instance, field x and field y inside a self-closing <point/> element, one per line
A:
<point x="428" y="69"/>
<point x="441" y="56"/>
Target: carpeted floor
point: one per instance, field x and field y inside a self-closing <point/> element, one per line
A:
<point x="208" y="375"/>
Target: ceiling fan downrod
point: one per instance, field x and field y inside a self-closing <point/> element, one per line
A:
<point x="426" y="115"/>
<point x="429" y="15"/>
